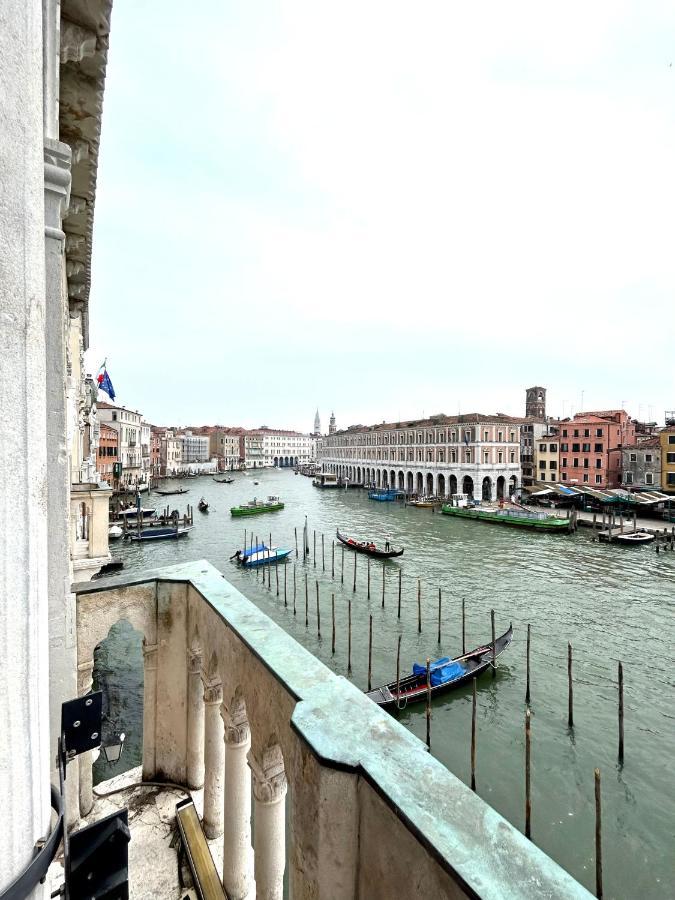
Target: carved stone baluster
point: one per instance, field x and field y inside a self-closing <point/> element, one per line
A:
<point x="195" y="734"/>
<point x="237" y="830"/>
<point x="269" y="790"/>
<point x="149" y="710"/>
<point x="213" y="760"/>
<point x="85" y="673"/>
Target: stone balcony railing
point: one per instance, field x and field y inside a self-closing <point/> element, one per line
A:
<point x="234" y="703"/>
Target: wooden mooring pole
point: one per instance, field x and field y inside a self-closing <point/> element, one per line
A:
<point x="342" y="575"/>
<point x="323" y="558"/>
<point x="306" y="603"/>
<point x="332" y="603"/>
<point x="354" y="588"/>
<point x="400" y="577"/>
<point x="528" y="798"/>
<point x="318" y="612"/>
<point x="314" y="554"/>
<point x="368" y="568"/>
<point x="494" y="645"/>
<point x="285" y="581"/>
<point x="621" y="714"/>
<point x="598" y="836"/>
<point x="527" y="668"/>
<point x="276" y="576"/>
<point x="419" y="605"/>
<point x="296" y="543"/>
<point x="570" y="689"/>
<point x="294" y="591"/>
<point x="384" y="572"/>
<point x="332" y="560"/>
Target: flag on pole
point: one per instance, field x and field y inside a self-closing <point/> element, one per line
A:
<point x="104" y="382"/>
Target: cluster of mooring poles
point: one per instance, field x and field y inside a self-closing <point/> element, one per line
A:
<point x="266" y="581"/>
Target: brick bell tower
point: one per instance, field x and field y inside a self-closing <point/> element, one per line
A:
<point x="535" y="402"/>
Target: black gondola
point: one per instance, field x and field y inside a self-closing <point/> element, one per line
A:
<point x="368" y="547"/>
<point x="224" y="480"/>
<point x="203" y="505"/>
<point x="447" y="673"/>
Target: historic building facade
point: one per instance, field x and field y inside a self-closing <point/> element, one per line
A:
<point x="591" y="445"/>
<point x="473" y="454"/>
<point x="641" y="465"/>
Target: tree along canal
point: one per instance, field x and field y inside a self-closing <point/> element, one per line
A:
<point x="611" y="603"/>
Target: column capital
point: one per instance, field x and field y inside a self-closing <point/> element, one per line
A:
<point x="237" y="730"/>
<point x="213" y="693"/>
<point x="57" y="163"/>
<point x="269" y="778"/>
<point x="195" y="660"/>
<point x="85" y="675"/>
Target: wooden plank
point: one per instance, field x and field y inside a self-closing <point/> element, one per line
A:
<point x="207" y="882"/>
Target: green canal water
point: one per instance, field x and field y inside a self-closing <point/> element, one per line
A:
<point x="611" y="603"/>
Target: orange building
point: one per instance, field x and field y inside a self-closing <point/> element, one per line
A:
<point x="108" y="452"/>
<point x="590" y="447"/>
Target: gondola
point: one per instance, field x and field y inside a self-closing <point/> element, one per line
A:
<point x="224" y="480"/>
<point x="171" y="493"/>
<point x="368" y="547"/>
<point x="445" y="673"/>
<point x="203" y="505"/>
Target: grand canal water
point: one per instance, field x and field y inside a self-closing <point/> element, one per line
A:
<point x="611" y="603"/>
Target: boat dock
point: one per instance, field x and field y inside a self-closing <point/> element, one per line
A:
<point x="659" y="528"/>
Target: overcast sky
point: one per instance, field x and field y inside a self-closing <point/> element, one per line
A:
<point x="387" y="209"/>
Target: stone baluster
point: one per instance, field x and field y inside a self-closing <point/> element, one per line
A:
<point x="213" y="760"/>
<point x="195" y="719"/>
<point x="269" y="791"/>
<point x="85" y="674"/>
<point x="237" y="829"/>
<point x="149" y="710"/>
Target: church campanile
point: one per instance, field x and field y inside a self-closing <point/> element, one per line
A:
<point x="535" y="402"/>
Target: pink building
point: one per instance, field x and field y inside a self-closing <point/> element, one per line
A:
<point x="590" y="447"/>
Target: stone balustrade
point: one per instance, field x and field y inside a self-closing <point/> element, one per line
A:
<point x="233" y="702"/>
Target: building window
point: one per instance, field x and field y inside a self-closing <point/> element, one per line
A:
<point x="564" y="462"/>
<point x="629" y="477"/>
<point x="542" y="448"/>
<point x="633" y="457"/>
<point x="598" y="432"/>
<point x="500" y="435"/>
<point x="586" y="448"/>
<point x="453" y="456"/>
<point x="575" y="462"/>
<point x="586" y="478"/>
<point x="587" y="432"/>
<point x="576" y="448"/>
<point x="649" y="478"/>
<point x="485" y="436"/>
<point x="564" y="476"/>
<point x="553" y="464"/>
<point x="513" y="456"/>
<point x="553" y="448"/>
<point x="564" y="434"/>
<point x="670" y="477"/>
<point x="671" y="438"/>
<point x="598" y="464"/>
<point x="648" y="457"/>
<point x="564" y="448"/>
<point x="542" y="463"/>
<point x="670" y="458"/>
<point x="486" y="457"/>
<point x="585" y="462"/>
<point x="598" y="479"/>
<point x="576" y="432"/>
<point x="500" y="457"/>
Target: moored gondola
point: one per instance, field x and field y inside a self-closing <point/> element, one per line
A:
<point x="445" y="674"/>
<point x="369" y="548"/>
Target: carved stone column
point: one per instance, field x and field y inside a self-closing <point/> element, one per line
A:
<point x="149" y="709"/>
<point x="214" y="753"/>
<point x="195" y="734"/>
<point x="237" y="826"/>
<point x="85" y="672"/>
<point x="269" y="790"/>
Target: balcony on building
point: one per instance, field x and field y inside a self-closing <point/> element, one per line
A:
<point x="306" y="788"/>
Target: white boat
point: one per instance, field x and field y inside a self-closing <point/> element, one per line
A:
<point x="131" y="511"/>
<point x="114" y="532"/>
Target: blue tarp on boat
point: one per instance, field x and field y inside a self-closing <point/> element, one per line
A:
<point x="442" y="670"/>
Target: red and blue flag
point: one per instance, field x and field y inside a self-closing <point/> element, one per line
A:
<point x="104" y="382"/>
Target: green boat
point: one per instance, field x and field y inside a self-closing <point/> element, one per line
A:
<point x="511" y="517"/>
<point x="255" y="507"/>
